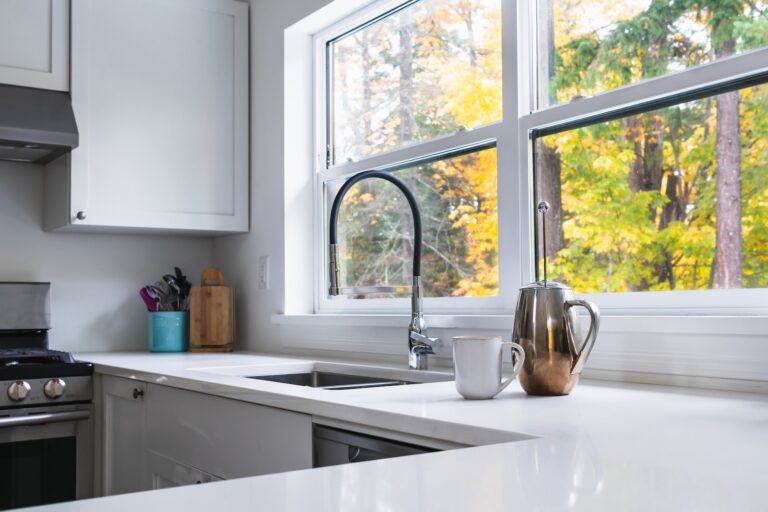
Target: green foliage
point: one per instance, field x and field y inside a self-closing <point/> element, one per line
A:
<point x="639" y="197"/>
<point x="614" y="237"/>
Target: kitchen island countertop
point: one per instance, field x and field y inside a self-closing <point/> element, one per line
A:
<point x="605" y="447"/>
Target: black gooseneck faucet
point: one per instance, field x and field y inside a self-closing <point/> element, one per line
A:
<point x="419" y="344"/>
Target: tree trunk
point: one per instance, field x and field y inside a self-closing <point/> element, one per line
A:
<point x="646" y="174"/>
<point x="405" y="34"/>
<point x="545" y="41"/>
<point x="646" y="171"/>
<point x="367" y="93"/>
<point x="728" y="244"/>
<point x="548" y="162"/>
<point x="465" y="9"/>
<point x="548" y="188"/>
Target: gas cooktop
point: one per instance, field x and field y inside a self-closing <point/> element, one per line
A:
<point x="39" y="376"/>
<point x="32" y="363"/>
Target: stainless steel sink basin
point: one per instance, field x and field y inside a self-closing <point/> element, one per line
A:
<point x="326" y="375"/>
<point x="331" y="380"/>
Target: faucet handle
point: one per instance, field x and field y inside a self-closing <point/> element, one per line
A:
<point x="426" y="340"/>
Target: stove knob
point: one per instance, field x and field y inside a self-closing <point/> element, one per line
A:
<point x="18" y="390"/>
<point x="54" y="388"/>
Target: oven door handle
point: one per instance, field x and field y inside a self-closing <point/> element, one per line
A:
<point x="41" y="419"/>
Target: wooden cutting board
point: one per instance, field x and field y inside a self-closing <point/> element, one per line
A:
<point x="212" y="314"/>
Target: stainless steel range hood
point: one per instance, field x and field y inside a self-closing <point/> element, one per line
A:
<point x="35" y="125"/>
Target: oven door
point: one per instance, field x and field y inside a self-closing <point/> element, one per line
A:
<point x="46" y="455"/>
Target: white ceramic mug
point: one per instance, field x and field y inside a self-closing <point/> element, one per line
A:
<point x="477" y="364"/>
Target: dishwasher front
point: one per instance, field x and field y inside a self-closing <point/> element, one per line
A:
<point x="332" y="446"/>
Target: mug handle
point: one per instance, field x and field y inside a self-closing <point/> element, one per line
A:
<point x="518" y="362"/>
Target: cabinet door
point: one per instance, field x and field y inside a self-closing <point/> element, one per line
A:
<point x="123" y="435"/>
<point x="160" y="94"/>
<point x="164" y="472"/>
<point x="34" y="43"/>
<point x="226" y="438"/>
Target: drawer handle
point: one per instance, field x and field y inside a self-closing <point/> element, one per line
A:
<point x="137" y="393"/>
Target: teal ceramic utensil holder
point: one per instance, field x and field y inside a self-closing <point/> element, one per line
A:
<point x="168" y="331"/>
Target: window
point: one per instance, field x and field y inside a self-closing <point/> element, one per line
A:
<point x="457" y="199"/>
<point x="590" y="46"/>
<point x="414" y="89"/>
<point x="642" y="122"/>
<point x="423" y="70"/>
<point x="668" y="199"/>
<point x="646" y="134"/>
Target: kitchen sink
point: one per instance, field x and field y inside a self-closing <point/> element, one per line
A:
<point x="330" y="380"/>
<point x="327" y="375"/>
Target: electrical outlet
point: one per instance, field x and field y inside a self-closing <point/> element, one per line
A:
<point x="263" y="271"/>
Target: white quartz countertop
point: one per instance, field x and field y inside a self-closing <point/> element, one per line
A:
<point x="605" y="447"/>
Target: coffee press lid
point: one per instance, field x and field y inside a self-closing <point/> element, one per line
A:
<point x="546" y="284"/>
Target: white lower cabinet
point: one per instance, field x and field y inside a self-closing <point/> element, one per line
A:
<point x="226" y="438"/>
<point x="169" y="437"/>
<point x="123" y="435"/>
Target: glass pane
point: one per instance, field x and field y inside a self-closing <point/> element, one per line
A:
<point x="457" y="199"/>
<point x="672" y="199"/>
<point x="430" y="69"/>
<point x="589" y="46"/>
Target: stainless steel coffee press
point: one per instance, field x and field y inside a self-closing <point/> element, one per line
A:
<point x="546" y="325"/>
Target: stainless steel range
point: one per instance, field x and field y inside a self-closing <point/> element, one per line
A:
<point x="46" y="410"/>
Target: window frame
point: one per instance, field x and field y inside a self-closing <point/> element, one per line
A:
<point x="503" y="132"/>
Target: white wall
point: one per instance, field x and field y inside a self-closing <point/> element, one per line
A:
<point x="95" y="278"/>
<point x="238" y="255"/>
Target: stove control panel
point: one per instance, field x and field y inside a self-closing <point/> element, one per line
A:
<point x="54" y="388"/>
<point x="19" y="390"/>
<point x="21" y="393"/>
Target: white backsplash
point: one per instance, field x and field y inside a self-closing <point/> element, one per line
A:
<point x="95" y="277"/>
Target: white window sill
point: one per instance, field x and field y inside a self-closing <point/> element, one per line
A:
<point x="636" y="324"/>
<point x="721" y="352"/>
<point x="394" y="320"/>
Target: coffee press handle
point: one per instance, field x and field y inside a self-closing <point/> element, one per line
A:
<point x="518" y="362"/>
<point x="594" y="325"/>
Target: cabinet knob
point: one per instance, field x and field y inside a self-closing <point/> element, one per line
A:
<point x="80" y="215"/>
<point x="137" y="393"/>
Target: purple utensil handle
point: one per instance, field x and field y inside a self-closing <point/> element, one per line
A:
<point x="148" y="300"/>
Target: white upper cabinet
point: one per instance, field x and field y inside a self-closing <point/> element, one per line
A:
<point x="160" y="94"/>
<point x="34" y="43"/>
